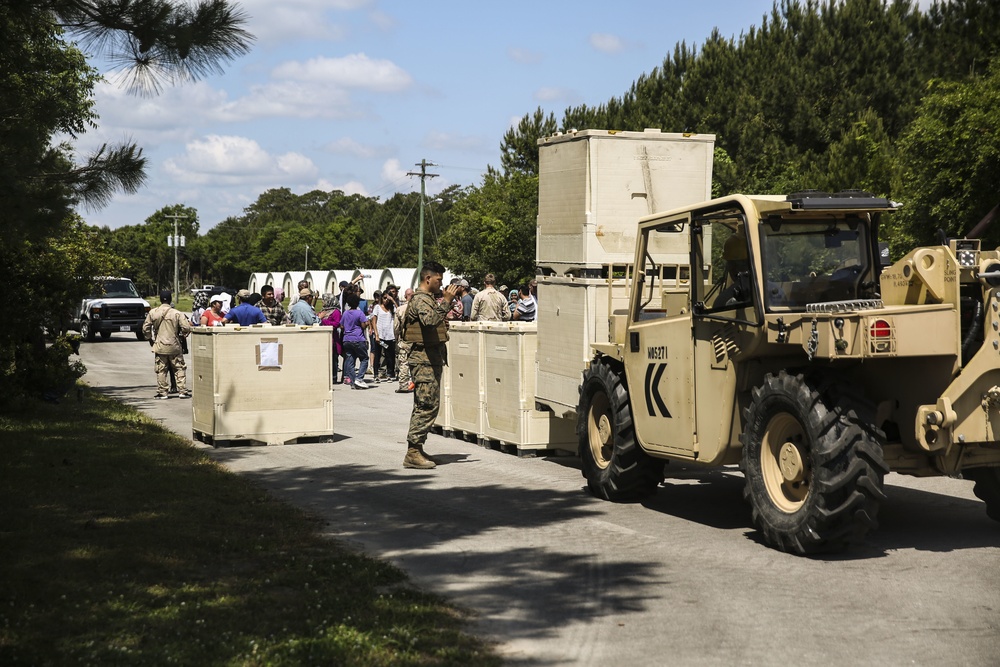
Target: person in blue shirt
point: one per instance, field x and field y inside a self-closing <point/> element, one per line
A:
<point x="302" y="312"/>
<point x="247" y="313"/>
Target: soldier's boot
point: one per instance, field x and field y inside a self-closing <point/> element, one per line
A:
<point x="415" y="459"/>
<point x="428" y="456"/>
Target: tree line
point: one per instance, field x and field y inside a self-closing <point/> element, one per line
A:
<point x="842" y="95"/>
<point x="832" y="95"/>
<point x="856" y="94"/>
<point x="49" y="254"/>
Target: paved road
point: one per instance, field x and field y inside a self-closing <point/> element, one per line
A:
<point x="560" y="578"/>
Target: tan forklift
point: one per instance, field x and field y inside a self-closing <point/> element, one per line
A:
<point x="786" y="346"/>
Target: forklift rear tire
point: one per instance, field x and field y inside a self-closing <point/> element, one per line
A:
<point x="987" y="488"/>
<point x="814" y="469"/>
<point x="615" y="466"/>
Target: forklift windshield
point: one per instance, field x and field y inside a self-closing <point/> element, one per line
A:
<point x="815" y="261"/>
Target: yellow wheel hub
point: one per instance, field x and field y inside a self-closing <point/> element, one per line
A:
<point x="784" y="462"/>
<point x="790" y="462"/>
<point x="600" y="434"/>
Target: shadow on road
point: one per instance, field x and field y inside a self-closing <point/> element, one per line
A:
<point x="909" y="519"/>
<point x="424" y="528"/>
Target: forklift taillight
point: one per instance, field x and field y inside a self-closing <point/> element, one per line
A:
<point x="880" y="329"/>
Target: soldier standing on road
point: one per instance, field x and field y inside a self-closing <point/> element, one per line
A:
<point x="425" y="327"/>
<point x="163" y="328"/>
<point x="402" y="347"/>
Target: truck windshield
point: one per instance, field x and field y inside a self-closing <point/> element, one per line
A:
<point x="117" y="289"/>
<point x="813" y="261"/>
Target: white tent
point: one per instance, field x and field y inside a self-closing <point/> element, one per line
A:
<point x="334" y="278"/>
<point x="290" y="281"/>
<point x="402" y="278"/>
<point x="316" y="279"/>
<point x="369" y="280"/>
<point x="257" y="280"/>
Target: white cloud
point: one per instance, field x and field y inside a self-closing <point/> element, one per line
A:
<point x="348" y="146"/>
<point x="445" y="141"/>
<point x="393" y="172"/>
<point x="295" y="20"/>
<point x="382" y="21"/>
<point x="172" y="116"/>
<point x="232" y="160"/>
<point x="555" y="94"/>
<point x="348" y="188"/>
<point x="524" y="56"/>
<point x="318" y="88"/>
<point x="289" y="99"/>
<point x="352" y="71"/>
<point x="606" y="43"/>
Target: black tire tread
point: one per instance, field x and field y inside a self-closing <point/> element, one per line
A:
<point x="631" y="474"/>
<point x="986" y="488"/>
<point x="847" y="465"/>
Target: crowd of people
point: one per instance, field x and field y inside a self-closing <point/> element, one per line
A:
<point x="394" y="338"/>
<point x="367" y="331"/>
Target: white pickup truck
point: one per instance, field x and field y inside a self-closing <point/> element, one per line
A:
<point x="114" y="306"/>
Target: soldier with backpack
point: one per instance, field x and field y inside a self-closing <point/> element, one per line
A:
<point x="165" y="329"/>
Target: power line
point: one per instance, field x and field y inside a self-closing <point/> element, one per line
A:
<point x="423" y="179"/>
<point x="387" y="239"/>
<point x="481" y="170"/>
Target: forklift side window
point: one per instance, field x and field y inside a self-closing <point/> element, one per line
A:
<point x="729" y="286"/>
<point x="664" y="278"/>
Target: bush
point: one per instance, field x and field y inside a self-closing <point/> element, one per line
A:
<point x="30" y="371"/>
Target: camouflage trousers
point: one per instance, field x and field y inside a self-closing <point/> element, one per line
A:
<point x="426" y="403"/>
<point x="403" y="363"/>
<point x="162" y="364"/>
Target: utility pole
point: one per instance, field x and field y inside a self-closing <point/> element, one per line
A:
<point x="307" y="258"/>
<point x="423" y="177"/>
<point x="176" y="241"/>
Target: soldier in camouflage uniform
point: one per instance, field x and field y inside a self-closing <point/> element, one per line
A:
<point x="425" y="328"/>
<point x="402" y="347"/>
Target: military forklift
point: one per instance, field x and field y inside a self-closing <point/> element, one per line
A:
<point x="787" y="345"/>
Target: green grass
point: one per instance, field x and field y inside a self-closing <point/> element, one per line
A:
<point x="182" y="303"/>
<point x="123" y="544"/>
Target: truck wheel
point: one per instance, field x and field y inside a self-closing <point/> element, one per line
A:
<point x="86" y="332"/>
<point x="138" y="335"/>
<point x="105" y="335"/>
<point x="987" y="488"/>
<point x="615" y="466"/>
<point x="813" y="467"/>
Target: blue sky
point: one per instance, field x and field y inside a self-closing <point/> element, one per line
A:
<point x="351" y="94"/>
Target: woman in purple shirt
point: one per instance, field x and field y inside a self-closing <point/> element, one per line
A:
<point x="355" y="322"/>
